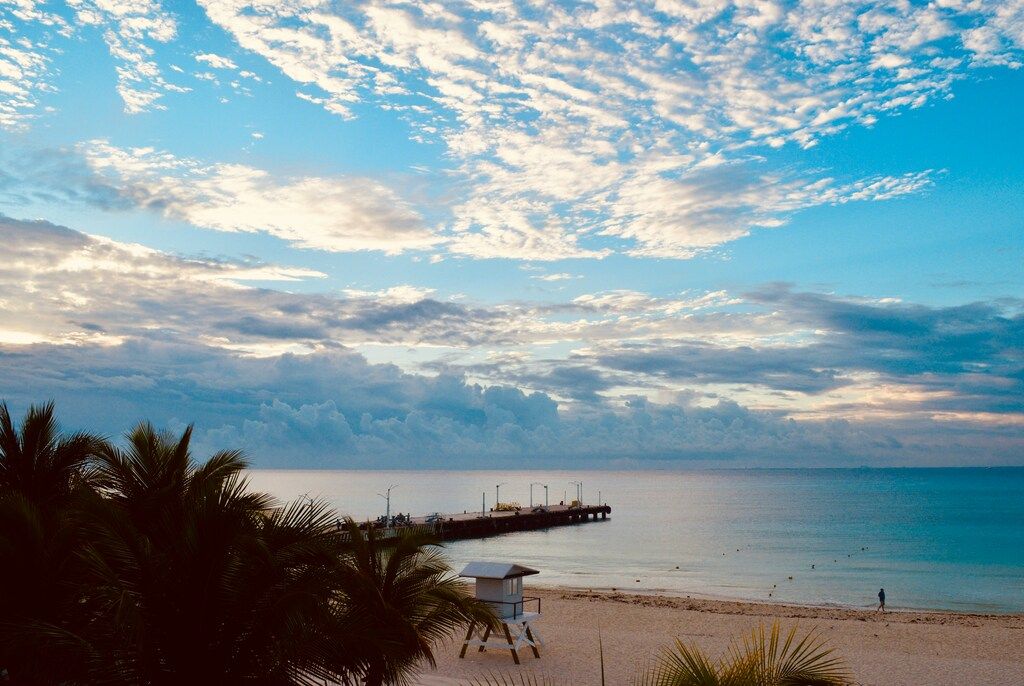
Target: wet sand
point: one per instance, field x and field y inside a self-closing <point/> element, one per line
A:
<point x="897" y="648"/>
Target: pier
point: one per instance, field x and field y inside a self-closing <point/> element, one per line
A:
<point x="452" y="527"/>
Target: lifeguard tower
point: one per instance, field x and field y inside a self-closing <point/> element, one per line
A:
<point x="500" y="585"/>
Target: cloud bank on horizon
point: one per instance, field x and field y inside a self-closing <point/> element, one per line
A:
<point x="386" y="233"/>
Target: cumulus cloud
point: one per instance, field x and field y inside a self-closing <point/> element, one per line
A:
<point x="97" y="323"/>
<point x="333" y="409"/>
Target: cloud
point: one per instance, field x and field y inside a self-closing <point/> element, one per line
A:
<point x="216" y="61"/>
<point x="337" y="214"/>
<point x="683" y="217"/>
<point x="55" y="278"/>
<point x="603" y="119"/>
<point x="333" y="409"/>
<point x="25" y="59"/>
<point x="561" y="276"/>
<point x="130" y="30"/>
<point x="116" y="331"/>
<point x="928" y="361"/>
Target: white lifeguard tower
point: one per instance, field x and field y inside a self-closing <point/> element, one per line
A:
<point x="500" y="585"/>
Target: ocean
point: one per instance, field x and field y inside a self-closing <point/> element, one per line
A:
<point x="942" y="539"/>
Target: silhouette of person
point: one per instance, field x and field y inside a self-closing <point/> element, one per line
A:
<point x="881" y="600"/>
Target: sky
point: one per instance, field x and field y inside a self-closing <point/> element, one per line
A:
<point x="393" y="234"/>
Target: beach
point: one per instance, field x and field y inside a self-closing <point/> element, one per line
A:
<point x="897" y="648"/>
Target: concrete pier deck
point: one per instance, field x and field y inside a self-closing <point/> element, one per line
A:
<point x="450" y="527"/>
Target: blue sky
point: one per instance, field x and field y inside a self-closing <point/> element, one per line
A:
<point x="411" y="233"/>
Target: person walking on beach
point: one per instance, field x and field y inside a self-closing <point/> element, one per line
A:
<point x="881" y="600"/>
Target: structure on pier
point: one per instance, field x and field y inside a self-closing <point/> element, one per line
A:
<point x="474" y="525"/>
<point x="500" y="585"/>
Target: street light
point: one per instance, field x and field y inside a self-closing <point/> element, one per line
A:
<point x="579" y="490"/>
<point x="537" y="483"/>
<point x="497" y="493"/>
<point x="387" y="512"/>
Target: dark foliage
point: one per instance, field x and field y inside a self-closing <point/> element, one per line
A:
<point x="138" y="565"/>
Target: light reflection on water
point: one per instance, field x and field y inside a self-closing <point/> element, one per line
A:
<point x="934" y="538"/>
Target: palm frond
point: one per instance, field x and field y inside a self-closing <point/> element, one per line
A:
<point x="682" y="665"/>
<point x="766" y="658"/>
<point x="517" y="679"/>
<point x="786" y="661"/>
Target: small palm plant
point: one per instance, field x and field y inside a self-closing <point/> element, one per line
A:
<point x="765" y="659"/>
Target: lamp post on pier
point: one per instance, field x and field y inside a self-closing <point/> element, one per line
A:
<point x="387" y="498"/>
<point x="579" y="491"/>
<point x="497" y="493"/>
<point x="538" y="483"/>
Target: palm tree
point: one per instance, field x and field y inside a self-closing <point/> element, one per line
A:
<point x="765" y="659"/>
<point x="204" y="581"/>
<point x="177" y="573"/>
<point x="401" y="598"/>
<point x="43" y="480"/>
<point x="38" y="461"/>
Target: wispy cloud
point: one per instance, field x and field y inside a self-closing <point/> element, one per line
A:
<point x="130" y="31"/>
<point x="601" y="118"/>
<point x="337" y="214"/>
<point x="25" y="60"/>
<point x="560" y="276"/>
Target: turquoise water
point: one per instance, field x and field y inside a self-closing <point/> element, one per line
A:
<point x="934" y="538"/>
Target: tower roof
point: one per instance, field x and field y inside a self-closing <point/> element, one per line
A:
<point x="496" y="570"/>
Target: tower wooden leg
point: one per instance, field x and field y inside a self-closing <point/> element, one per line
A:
<point x="487" y="634"/>
<point x="465" y="644"/>
<point x="533" y="641"/>
<point x="511" y="646"/>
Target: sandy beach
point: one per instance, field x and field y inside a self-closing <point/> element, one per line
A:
<point x="898" y="648"/>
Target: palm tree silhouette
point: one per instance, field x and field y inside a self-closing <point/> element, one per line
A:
<point x="43" y="481"/>
<point x="206" y="581"/>
<point x="141" y="565"/>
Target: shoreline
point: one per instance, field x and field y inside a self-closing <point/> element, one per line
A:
<point x="760" y="608"/>
<point x="895" y="648"/>
<point x="740" y="600"/>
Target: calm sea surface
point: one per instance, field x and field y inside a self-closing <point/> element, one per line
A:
<point x="934" y="538"/>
